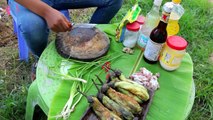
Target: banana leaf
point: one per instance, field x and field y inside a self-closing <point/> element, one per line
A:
<point x="173" y="100"/>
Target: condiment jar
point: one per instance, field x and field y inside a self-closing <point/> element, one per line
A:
<point x="131" y="34"/>
<point x="173" y="52"/>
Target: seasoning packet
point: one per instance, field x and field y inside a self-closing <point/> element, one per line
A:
<point x="130" y="17"/>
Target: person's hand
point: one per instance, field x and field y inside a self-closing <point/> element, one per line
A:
<point x="57" y="21"/>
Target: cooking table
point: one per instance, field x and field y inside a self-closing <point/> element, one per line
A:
<point x="173" y="101"/>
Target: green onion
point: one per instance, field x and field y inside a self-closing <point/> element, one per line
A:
<point x="66" y="110"/>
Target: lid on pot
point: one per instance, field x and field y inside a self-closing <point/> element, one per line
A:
<point x="82" y="43"/>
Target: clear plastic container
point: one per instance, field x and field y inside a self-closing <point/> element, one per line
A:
<point x="173" y="52"/>
<point x="131" y="34"/>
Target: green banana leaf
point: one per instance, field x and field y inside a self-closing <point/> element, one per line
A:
<point x="173" y="100"/>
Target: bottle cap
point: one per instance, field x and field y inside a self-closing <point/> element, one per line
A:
<point x="167" y="7"/>
<point x="158" y="2"/>
<point x="176" y="42"/>
<point x="135" y="26"/>
<point x="176" y="1"/>
<point x="140" y="19"/>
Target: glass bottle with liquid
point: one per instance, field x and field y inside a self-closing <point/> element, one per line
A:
<point x="177" y="12"/>
<point x="158" y="37"/>
<point x="151" y="21"/>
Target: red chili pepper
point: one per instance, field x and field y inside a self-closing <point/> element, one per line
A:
<point x="106" y="67"/>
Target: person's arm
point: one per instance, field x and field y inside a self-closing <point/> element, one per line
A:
<point x="55" y="20"/>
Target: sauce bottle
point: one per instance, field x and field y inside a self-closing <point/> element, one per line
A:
<point x="158" y="36"/>
<point x="151" y="21"/>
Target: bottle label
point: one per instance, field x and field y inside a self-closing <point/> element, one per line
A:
<point x="152" y="50"/>
<point x="165" y="17"/>
<point x="142" y="41"/>
<point x="123" y="30"/>
<point x="170" y="57"/>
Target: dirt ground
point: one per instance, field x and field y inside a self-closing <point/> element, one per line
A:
<point x="8" y="41"/>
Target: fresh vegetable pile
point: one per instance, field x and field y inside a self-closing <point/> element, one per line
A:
<point x="74" y="73"/>
<point x="119" y="98"/>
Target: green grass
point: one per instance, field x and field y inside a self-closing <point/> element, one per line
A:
<point x="196" y="27"/>
<point x="13" y="86"/>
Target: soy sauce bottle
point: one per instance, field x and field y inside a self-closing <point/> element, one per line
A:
<point x="158" y="36"/>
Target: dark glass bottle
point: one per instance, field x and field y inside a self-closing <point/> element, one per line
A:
<point x="158" y="37"/>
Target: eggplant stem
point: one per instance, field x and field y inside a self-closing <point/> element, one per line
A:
<point x="99" y="79"/>
<point x="95" y="85"/>
<point x="82" y="92"/>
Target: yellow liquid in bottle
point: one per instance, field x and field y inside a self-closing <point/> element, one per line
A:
<point x="173" y="26"/>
